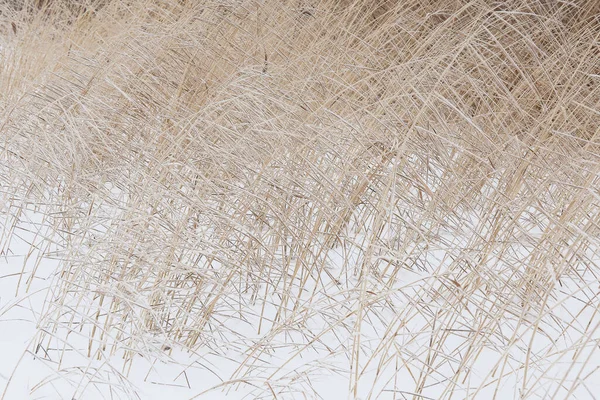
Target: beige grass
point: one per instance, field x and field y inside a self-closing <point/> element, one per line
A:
<point x="414" y="185"/>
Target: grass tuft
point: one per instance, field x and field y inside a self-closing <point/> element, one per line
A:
<point x="402" y="195"/>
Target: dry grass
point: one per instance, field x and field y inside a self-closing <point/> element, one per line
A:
<point x="412" y="187"/>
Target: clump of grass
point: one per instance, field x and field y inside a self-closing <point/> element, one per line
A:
<point x="404" y="194"/>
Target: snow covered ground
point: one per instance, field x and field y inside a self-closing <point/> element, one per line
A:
<point x="61" y="369"/>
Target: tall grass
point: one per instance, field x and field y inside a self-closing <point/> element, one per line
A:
<point x="404" y="193"/>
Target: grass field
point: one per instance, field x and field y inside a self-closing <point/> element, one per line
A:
<point x="277" y="199"/>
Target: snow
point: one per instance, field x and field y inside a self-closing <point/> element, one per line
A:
<point x="61" y="369"/>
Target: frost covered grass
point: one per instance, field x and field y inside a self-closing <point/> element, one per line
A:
<point x="283" y="199"/>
